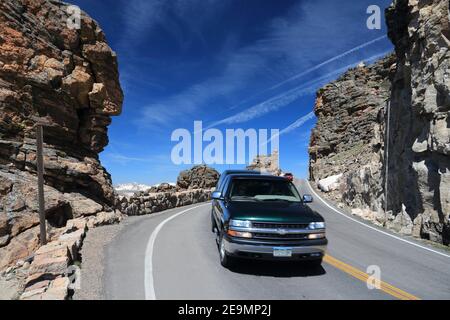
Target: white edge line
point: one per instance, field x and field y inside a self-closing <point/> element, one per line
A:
<point x="373" y="228"/>
<point x="148" y="264"/>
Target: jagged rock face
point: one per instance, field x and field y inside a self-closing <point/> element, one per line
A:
<point x="420" y="122"/>
<point x="67" y="79"/>
<point x="266" y="163"/>
<point x="349" y="135"/>
<point x="199" y="177"/>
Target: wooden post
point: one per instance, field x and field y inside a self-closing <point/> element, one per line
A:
<point x="40" y="171"/>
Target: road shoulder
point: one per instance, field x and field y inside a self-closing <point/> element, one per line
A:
<point x="420" y="243"/>
<point x="93" y="261"/>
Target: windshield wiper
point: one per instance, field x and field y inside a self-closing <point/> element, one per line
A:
<point x="244" y="198"/>
<point x="285" y="200"/>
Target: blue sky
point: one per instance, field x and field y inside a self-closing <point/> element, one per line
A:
<point x="229" y="63"/>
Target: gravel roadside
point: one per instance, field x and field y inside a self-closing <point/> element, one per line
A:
<point x="92" y="254"/>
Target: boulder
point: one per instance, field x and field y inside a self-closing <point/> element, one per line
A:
<point x="105" y="218"/>
<point x="199" y="177"/>
<point x="82" y="206"/>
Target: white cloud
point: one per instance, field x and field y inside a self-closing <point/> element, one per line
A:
<point x="114" y="155"/>
<point x="142" y="17"/>
<point x="291" y="43"/>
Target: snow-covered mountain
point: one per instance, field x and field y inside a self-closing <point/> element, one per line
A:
<point x="128" y="189"/>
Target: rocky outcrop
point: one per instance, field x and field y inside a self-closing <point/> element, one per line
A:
<point x="419" y="156"/>
<point x="164" y="187"/>
<point x="347" y="145"/>
<point x="147" y="203"/>
<point x="66" y="79"/>
<point x="350" y="134"/>
<point x="200" y="176"/>
<point x="193" y="186"/>
<point x="266" y="163"/>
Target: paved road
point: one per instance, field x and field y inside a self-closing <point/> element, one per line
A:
<point x="182" y="262"/>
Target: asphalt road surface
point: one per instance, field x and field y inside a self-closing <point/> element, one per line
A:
<point x="173" y="255"/>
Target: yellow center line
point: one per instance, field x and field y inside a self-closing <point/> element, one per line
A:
<point x="358" y="274"/>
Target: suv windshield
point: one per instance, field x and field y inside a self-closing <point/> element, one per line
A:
<point x="263" y="190"/>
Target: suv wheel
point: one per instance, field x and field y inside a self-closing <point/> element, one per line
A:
<point x="225" y="259"/>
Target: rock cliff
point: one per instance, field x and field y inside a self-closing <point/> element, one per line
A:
<point x="68" y="80"/>
<point x="420" y="122"/>
<point x="347" y="143"/>
<point x="350" y="136"/>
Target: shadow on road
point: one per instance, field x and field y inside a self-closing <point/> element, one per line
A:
<point x="281" y="269"/>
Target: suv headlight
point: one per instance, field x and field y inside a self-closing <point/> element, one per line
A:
<point x="240" y="223"/>
<point x="316" y="225"/>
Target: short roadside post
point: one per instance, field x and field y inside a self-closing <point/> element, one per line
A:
<point x="40" y="172"/>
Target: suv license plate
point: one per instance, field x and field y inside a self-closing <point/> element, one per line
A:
<point x="282" y="252"/>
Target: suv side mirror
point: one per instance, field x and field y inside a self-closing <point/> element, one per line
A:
<point x="216" y="195"/>
<point x="307" y="198"/>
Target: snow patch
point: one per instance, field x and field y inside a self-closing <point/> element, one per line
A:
<point x="128" y="189"/>
<point x="330" y="183"/>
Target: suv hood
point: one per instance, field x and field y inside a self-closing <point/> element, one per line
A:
<point x="282" y="212"/>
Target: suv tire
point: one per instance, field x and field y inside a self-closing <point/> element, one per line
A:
<point x="225" y="260"/>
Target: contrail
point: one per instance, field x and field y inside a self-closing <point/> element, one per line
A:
<point x="298" y="123"/>
<point x="361" y="46"/>
<point x="276" y="102"/>
<point x="285" y="98"/>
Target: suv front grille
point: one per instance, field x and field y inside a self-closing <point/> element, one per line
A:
<point x="300" y="231"/>
<point x="267" y="225"/>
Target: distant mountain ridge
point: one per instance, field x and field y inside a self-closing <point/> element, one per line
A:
<point x="132" y="187"/>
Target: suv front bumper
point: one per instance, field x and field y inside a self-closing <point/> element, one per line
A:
<point x="306" y="250"/>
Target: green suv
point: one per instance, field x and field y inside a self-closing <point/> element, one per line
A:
<point x="264" y="217"/>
